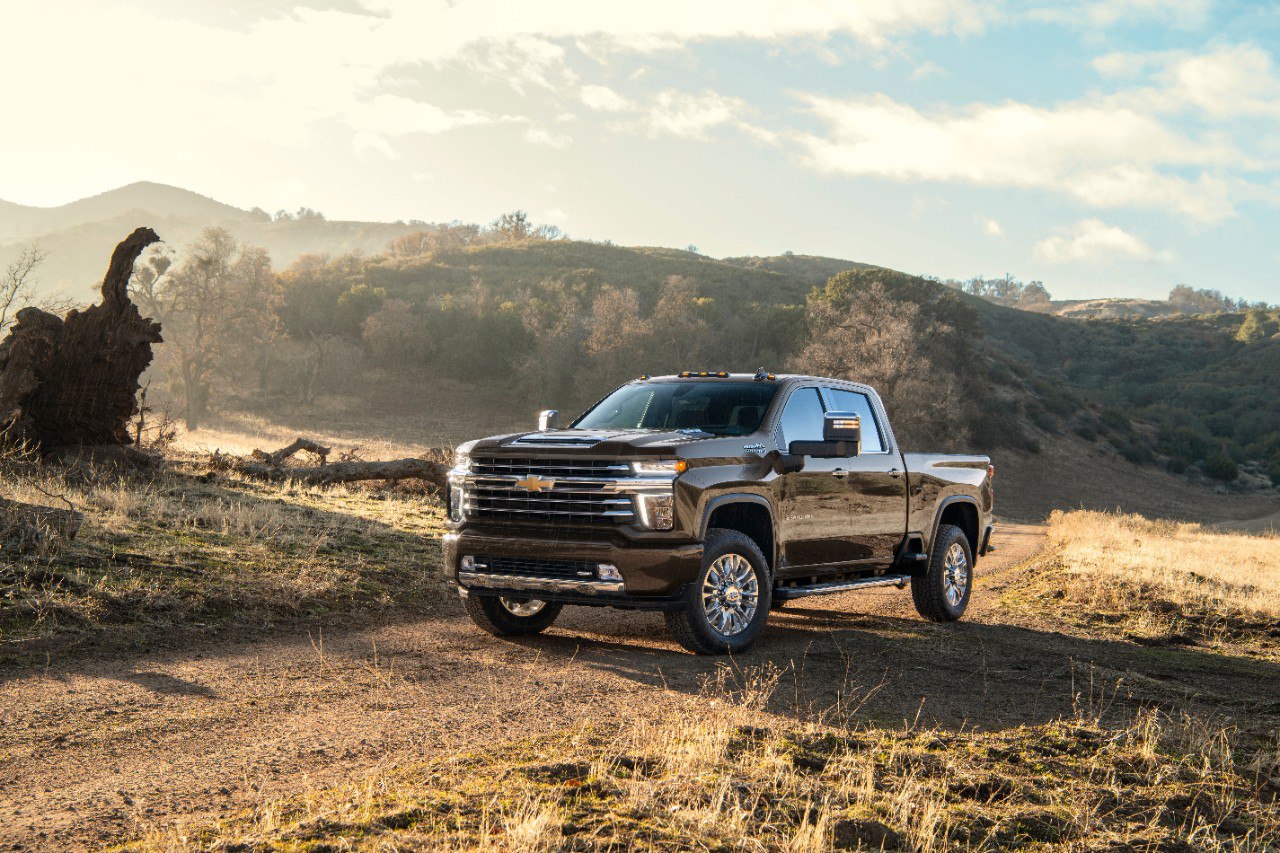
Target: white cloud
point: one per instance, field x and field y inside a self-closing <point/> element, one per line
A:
<point x="603" y="98"/>
<point x="1101" y="14"/>
<point x="1227" y="82"/>
<point x="691" y="116"/>
<point x="992" y="228"/>
<point x="1092" y="241"/>
<point x="542" y="136"/>
<point x="927" y="69"/>
<point x="1103" y="154"/>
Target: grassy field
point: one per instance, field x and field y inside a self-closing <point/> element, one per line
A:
<point x="1160" y="582"/>
<point x="726" y="776"/>
<point x="727" y="772"/>
<point x="190" y="547"/>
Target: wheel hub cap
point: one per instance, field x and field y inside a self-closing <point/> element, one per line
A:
<point x="955" y="574"/>
<point x="730" y="595"/>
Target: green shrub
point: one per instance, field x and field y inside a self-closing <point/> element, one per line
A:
<point x="1220" y="466"/>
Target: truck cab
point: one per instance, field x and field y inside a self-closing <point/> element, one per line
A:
<point x="713" y="497"/>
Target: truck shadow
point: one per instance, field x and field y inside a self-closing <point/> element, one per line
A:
<point x="893" y="671"/>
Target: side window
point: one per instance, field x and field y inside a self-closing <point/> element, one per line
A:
<point x="852" y="401"/>
<point x="802" y="418"/>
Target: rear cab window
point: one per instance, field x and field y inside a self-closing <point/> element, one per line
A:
<point x="843" y="400"/>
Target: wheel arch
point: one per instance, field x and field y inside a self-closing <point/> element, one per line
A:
<point x="749" y="514"/>
<point x="963" y="512"/>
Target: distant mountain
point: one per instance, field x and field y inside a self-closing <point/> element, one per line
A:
<point x="78" y="237"/>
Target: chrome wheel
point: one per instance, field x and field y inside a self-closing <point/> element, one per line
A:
<point x="955" y="574"/>
<point x="730" y="595"/>
<point x="528" y="607"/>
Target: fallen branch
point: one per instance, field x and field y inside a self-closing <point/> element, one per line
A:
<point x="276" y="458"/>
<point x="350" y="472"/>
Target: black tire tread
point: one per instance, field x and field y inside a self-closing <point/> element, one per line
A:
<point x="926" y="589"/>
<point x="681" y="622"/>
<point x="488" y="613"/>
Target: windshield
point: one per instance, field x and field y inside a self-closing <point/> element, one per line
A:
<point x="718" y="407"/>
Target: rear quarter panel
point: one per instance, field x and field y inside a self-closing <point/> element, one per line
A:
<point x="933" y="478"/>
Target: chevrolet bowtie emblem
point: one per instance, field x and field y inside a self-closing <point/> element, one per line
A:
<point x="534" y="483"/>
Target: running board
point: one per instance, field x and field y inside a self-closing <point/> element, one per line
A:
<point x="786" y="593"/>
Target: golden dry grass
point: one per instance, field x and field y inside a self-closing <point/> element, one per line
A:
<point x="181" y="547"/>
<point x="1162" y="580"/>
<point x="725" y="775"/>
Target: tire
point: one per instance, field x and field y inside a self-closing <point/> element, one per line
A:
<point x="495" y="615"/>
<point x="733" y="570"/>
<point x="941" y="594"/>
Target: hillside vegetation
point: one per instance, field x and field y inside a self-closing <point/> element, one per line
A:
<point x="266" y="312"/>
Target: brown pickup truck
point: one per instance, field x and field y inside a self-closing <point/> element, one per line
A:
<point x="714" y="497"/>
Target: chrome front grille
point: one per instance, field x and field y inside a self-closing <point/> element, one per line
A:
<point x="523" y="467"/>
<point x="564" y="491"/>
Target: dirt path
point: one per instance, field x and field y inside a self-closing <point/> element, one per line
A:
<point x="92" y="751"/>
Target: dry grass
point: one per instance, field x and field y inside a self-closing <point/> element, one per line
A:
<point x="1162" y="581"/>
<point x="725" y="775"/>
<point x="178" y="547"/>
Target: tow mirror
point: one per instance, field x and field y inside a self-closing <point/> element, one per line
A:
<point x="548" y="419"/>
<point x="843" y="426"/>
<point x="841" y="438"/>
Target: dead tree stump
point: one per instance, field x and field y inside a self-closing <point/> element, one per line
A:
<point x="73" y="382"/>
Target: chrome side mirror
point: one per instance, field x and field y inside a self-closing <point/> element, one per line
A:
<point x="548" y="419"/>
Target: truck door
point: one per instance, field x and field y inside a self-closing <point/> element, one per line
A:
<point x="875" y="485"/>
<point x="814" y="503"/>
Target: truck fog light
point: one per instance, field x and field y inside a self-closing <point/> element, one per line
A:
<point x="657" y="512"/>
<point x="467" y="564"/>
<point x="457" y="503"/>
<point x="608" y="572"/>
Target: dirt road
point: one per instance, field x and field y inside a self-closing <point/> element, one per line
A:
<point x="94" y="750"/>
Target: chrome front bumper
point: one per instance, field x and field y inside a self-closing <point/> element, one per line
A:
<point x="526" y="583"/>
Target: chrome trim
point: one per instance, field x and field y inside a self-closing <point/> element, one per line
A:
<point x="788" y="592"/>
<point x="482" y="580"/>
<point x="607" y="484"/>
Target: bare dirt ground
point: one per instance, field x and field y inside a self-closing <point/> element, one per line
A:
<point x="95" y="749"/>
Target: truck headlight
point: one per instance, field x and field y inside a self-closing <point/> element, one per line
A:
<point x="462" y="460"/>
<point x="457" y="502"/>
<point x="660" y="468"/>
<point x="657" y="512"/>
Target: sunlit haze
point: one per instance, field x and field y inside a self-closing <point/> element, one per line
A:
<point x="1105" y="148"/>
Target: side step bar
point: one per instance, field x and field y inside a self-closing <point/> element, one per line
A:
<point x="789" y="592"/>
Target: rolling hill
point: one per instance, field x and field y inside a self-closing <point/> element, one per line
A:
<point x="78" y="237"/>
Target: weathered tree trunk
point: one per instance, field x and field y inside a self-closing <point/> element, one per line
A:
<point x="74" y="381"/>
<point x="349" y="472"/>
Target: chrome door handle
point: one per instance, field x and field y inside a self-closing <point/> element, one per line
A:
<point x="839" y="473"/>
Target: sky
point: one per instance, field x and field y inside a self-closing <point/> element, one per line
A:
<point x="1103" y="147"/>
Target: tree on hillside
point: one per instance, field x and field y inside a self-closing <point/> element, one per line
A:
<point x="618" y="337"/>
<point x="553" y="322"/>
<point x="17" y="287"/>
<point x="511" y="226"/>
<point x="680" y="333"/>
<point x="216" y="309"/>
<point x="892" y="344"/>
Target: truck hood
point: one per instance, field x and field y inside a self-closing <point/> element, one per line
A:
<point x="612" y="443"/>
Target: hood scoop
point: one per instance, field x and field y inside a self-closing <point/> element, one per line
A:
<point x="560" y="438"/>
